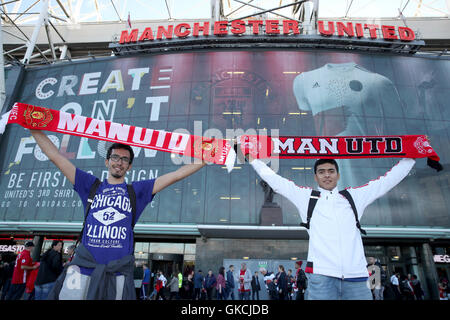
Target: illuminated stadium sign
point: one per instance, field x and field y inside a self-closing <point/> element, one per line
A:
<point x="266" y="27"/>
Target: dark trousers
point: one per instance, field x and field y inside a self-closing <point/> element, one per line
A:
<point x="161" y="294"/>
<point x="5" y="289"/>
<point x="209" y="293"/>
<point x="300" y="295"/>
<point x="196" y="295"/>
<point x="397" y="293"/>
<point x="145" y="290"/>
<point x="16" y="291"/>
<point x="253" y="294"/>
<point x="229" y="293"/>
<point x="174" y="294"/>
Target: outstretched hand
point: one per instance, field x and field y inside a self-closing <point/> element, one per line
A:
<point x="238" y="150"/>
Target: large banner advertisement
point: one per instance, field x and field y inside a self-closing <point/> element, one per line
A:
<point x="226" y="94"/>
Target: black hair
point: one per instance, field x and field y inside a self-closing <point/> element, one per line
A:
<point x="120" y="146"/>
<point x="222" y="271"/>
<point x="322" y="161"/>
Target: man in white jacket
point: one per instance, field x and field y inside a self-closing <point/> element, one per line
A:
<point x="336" y="264"/>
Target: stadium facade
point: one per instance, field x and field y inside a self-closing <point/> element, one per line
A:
<point x="224" y="85"/>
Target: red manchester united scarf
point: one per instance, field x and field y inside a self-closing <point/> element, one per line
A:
<point x="218" y="151"/>
<point x="354" y="147"/>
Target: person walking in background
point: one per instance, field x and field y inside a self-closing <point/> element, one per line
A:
<point x="49" y="270"/>
<point x="189" y="288"/>
<point x="24" y="264"/>
<point x="221" y="284"/>
<point x="161" y="285"/>
<point x="377" y="276"/>
<point x="256" y="287"/>
<point x="29" y="286"/>
<point x="210" y="283"/>
<point x="230" y="283"/>
<point x="443" y="291"/>
<point x="301" y="282"/>
<point x="145" y="282"/>
<point x="245" y="279"/>
<point x="2" y="272"/>
<point x="290" y="284"/>
<point x="406" y="289"/>
<point x="173" y="287"/>
<point x="396" y="286"/>
<point x="269" y="281"/>
<point x="281" y="283"/>
<point x="198" y="285"/>
<point x="155" y="287"/>
<point x="8" y="274"/>
<point x="417" y="287"/>
<point x="180" y="280"/>
<point x="70" y="252"/>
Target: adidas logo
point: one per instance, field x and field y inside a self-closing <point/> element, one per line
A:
<point x="316" y="85"/>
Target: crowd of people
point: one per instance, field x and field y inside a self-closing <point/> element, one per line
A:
<point x="400" y="286"/>
<point x="27" y="279"/>
<point x="33" y="280"/>
<point x="196" y="285"/>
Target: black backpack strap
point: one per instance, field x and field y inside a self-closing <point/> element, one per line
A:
<point x="315" y="195"/>
<point x="132" y="196"/>
<point x="349" y="197"/>
<point x="91" y="196"/>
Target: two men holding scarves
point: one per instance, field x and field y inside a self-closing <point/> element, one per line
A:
<point x="102" y="267"/>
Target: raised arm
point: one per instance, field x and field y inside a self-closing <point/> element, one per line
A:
<point x="175" y="176"/>
<point x="50" y="150"/>
<point x="371" y="191"/>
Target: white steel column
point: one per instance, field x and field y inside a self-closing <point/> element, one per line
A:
<point x="2" y="70"/>
<point x="32" y="43"/>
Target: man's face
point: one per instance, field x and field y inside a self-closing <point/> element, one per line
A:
<point x="327" y="176"/>
<point x="58" y="247"/>
<point x="119" y="168"/>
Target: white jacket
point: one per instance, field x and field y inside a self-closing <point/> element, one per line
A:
<point x="335" y="244"/>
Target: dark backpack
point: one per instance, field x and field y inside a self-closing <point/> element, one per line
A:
<point x="90" y="199"/>
<point x="315" y="195"/>
<point x="302" y="281"/>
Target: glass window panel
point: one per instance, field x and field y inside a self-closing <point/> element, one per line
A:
<point x="189" y="257"/>
<point x="170" y="200"/>
<point x="189" y="248"/>
<point x="240" y="191"/>
<point x="193" y="205"/>
<point x="159" y="247"/>
<point x="218" y="195"/>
